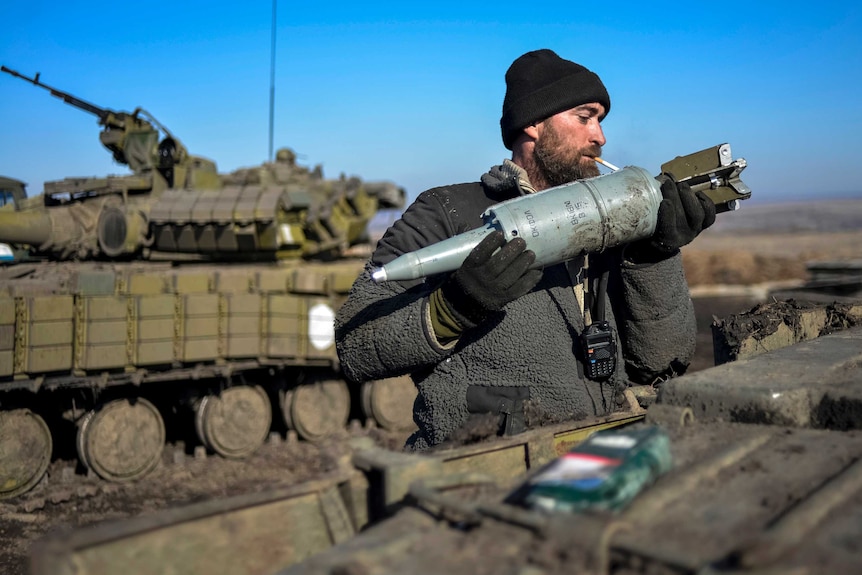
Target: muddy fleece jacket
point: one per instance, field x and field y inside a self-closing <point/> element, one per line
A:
<point x="384" y="330"/>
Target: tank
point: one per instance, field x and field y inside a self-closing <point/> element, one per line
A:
<point x="178" y="301"/>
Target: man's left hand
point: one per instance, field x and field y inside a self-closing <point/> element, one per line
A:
<point x="682" y="215"/>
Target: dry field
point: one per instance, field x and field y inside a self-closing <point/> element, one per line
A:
<point x="764" y="244"/>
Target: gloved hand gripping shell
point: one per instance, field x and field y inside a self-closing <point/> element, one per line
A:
<point x="682" y="215"/>
<point x="495" y="273"/>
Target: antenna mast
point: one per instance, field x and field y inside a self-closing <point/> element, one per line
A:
<point x="272" y="79"/>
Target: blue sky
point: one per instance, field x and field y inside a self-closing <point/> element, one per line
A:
<point x="412" y="92"/>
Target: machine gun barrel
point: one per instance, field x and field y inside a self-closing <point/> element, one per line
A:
<point x="132" y="138"/>
<point x="101" y="113"/>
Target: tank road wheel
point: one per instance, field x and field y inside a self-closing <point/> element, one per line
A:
<point x="235" y="422"/>
<point x="25" y="451"/>
<point x="121" y="440"/>
<point x="389" y="402"/>
<point x="317" y="409"/>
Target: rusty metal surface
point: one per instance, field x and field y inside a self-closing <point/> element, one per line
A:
<point x="732" y="500"/>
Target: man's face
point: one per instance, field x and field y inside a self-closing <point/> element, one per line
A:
<point x="567" y="142"/>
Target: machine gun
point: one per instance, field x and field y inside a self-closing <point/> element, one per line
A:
<point x="132" y="138"/>
<point x="586" y="216"/>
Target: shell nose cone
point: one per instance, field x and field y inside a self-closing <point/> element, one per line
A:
<point x="378" y="275"/>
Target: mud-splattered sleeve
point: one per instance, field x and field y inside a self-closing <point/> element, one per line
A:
<point x="384" y="329"/>
<point x="656" y="318"/>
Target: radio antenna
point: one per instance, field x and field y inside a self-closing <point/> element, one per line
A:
<point x="272" y="79"/>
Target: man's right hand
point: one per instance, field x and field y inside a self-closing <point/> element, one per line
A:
<point x="494" y="273"/>
<point x="682" y="215"/>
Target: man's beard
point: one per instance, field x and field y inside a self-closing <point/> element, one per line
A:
<point x="559" y="165"/>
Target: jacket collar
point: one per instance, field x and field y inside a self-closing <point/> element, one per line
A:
<point x="508" y="180"/>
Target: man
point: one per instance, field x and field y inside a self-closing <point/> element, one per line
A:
<point x="495" y="337"/>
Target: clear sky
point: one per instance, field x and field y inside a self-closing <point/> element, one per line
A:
<point x="412" y="92"/>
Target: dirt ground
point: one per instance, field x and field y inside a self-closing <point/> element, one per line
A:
<point x="65" y="500"/>
<point x="754" y="259"/>
<point x="730" y="269"/>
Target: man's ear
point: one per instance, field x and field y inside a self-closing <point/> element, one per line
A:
<point x="532" y="131"/>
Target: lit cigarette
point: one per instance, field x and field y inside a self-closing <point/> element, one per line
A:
<point x="606" y="164"/>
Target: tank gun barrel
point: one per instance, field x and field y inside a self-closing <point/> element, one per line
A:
<point x="29" y="227"/>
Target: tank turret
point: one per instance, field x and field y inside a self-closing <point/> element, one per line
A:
<point x="278" y="209"/>
<point x="93" y="217"/>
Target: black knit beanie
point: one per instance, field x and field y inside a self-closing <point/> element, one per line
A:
<point x="540" y="84"/>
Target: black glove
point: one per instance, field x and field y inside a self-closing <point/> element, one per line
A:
<point x="487" y="281"/>
<point x="682" y="215"/>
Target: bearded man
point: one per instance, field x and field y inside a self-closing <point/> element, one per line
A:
<point x="497" y="337"/>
